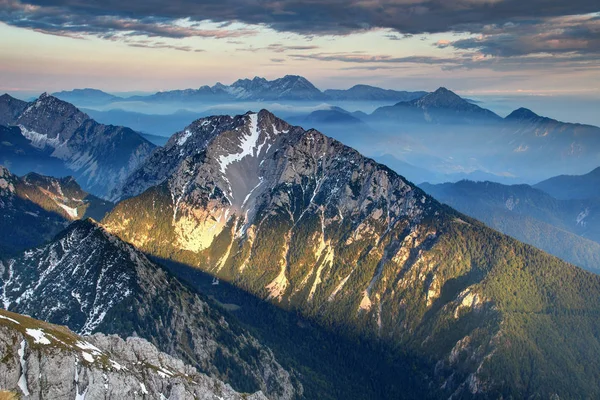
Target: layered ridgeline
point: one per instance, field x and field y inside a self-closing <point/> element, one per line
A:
<point x="98" y="156"/>
<point x="566" y="187"/>
<point x="568" y="229"/>
<point x="35" y="208"/>
<point x="311" y="225"/>
<point x="287" y="88"/>
<point x="46" y="361"/>
<point x="92" y="282"/>
<point x="446" y="133"/>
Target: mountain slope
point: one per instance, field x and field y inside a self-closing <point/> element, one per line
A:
<point x="18" y="154"/>
<point x="531" y="216"/>
<point x="537" y="139"/>
<point x="371" y="93"/>
<point x="40" y="360"/>
<point x="35" y="208"/>
<point x="311" y="225"/>
<point x="573" y="186"/>
<point x="99" y="156"/>
<point x="440" y="107"/>
<point x="91" y="282"/>
<point x="10" y="109"/>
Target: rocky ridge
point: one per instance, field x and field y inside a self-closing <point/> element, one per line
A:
<point x="42" y="360"/>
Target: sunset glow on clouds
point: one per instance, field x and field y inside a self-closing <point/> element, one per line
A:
<point x="469" y="45"/>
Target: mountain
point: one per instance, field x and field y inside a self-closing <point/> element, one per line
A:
<point x="89" y="97"/>
<point x="36" y="207"/>
<point x="567" y="229"/>
<point x="91" y="282"/>
<point x="537" y="139"/>
<point x="334" y="115"/>
<point x="371" y="93"/>
<point x="41" y="360"/>
<point x="289" y="88"/>
<point x="440" y="107"/>
<point x="573" y="186"/>
<point x="99" y="156"/>
<point x="312" y="226"/>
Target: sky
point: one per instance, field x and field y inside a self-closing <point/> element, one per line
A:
<point x="476" y="47"/>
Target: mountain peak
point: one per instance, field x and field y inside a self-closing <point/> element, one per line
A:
<point x="521" y="114"/>
<point x="441" y="98"/>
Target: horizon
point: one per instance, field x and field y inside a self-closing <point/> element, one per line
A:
<point x="563" y="106"/>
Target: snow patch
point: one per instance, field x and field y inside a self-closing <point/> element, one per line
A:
<point x="10" y="319"/>
<point x="247" y="145"/>
<point x="88" y="347"/>
<point x="38" y="335"/>
<point x="87" y="357"/>
<point x="581" y="217"/>
<point x="72" y="212"/>
<point x="23" y="379"/>
<point x="186" y="135"/>
<point x="40" y="140"/>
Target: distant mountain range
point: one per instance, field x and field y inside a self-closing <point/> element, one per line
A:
<point x="569" y="229"/>
<point x="54" y="133"/>
<point x="288" y="88"/>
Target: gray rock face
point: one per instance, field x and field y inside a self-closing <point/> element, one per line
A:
<point x="99" y="156"/>
<point x="40" y="360"/>
<point x="90" y="281"/>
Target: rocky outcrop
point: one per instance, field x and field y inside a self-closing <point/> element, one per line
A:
<point x="40" y="360"/>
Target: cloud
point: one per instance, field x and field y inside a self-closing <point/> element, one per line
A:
<point x="500" y="30"/>
<point x="65" y="21"/>
<point x="562" y="35"/>
<point x="279" y="48"/>
<point x="299" y="16"/>
<point x="360" y="57"/>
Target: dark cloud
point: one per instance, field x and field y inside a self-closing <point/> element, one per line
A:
<point x="304" y="16"/>
<point x="563" y="35"/>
